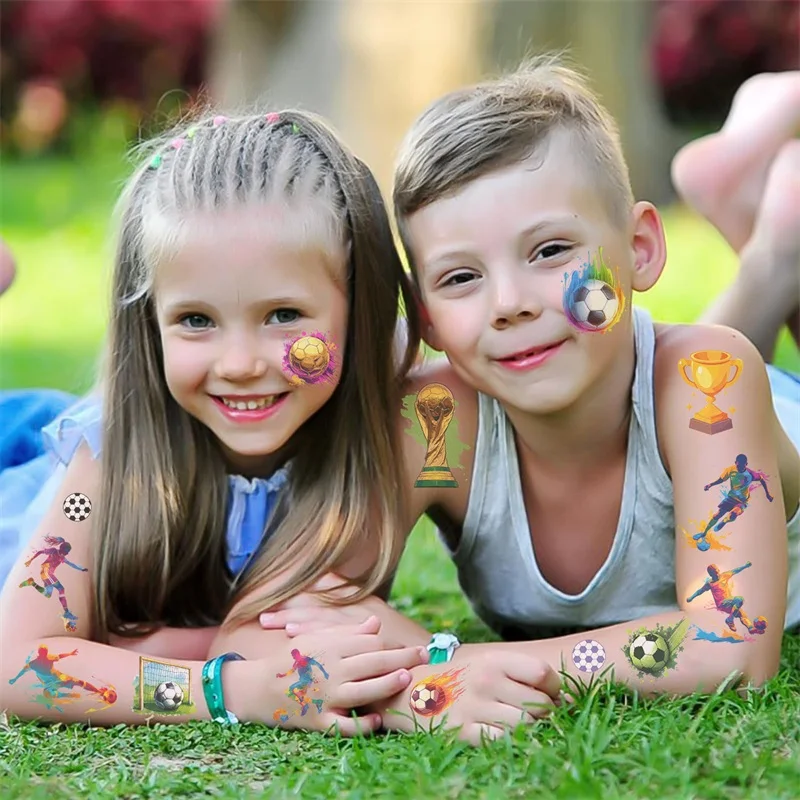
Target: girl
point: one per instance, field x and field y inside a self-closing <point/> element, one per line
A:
<point x="238" y="236"/>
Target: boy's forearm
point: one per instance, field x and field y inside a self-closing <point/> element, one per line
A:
<point x="191" y="644"/>
<point x="95" y="685"/>
<point x="700" y="665"/>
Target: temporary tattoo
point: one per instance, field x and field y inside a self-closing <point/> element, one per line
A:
<point x="435" y="407"/>
<point x="55" y="556"/>
<point x="719" y="584"/>
<point x="709" y="541"/>
<point x="162" y="688"/>
<point x="452" y="447"/>
<point x="309" y="358"/>
<point x="77" y="507"/>
<point x="306" y="682"/>
<point x="55" y="685"/>
<point x="588" y="655"/>
<point x="711" y="373"/>
<point x="593" y="297"/>
<point x="436" y="693"/>
<point x="653" y="652"/>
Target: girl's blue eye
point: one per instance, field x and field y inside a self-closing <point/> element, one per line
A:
<point x="196" y="322"/>
<point x="283" y="316"/>
<point x="459" y="278"/>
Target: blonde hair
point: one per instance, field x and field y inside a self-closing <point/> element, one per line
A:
<point x="160" y="550"/>
<point x="500" y="122"/>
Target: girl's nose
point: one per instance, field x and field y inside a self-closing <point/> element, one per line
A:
<point x="240" y="362"/>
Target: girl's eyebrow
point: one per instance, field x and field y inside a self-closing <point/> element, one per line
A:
<point x="279" y="301"/>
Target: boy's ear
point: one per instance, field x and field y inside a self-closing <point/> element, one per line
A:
<point x="649" y="246"/>
<point x="428" y="331"/>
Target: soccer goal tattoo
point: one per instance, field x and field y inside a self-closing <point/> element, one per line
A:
<point x="436" y="693"/>
<point x="55" y="556"/>
<point x="720" y="586"/>
<point x="651" y="652"/>
<point x="593" y="297"/>
<point x="56" y="686"/>
<point x="162" y="687"/>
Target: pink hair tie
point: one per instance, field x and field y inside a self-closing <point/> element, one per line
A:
<point x="219" y="120"/>
<point x="178" y="143"/>
<point x="273" y="117"/>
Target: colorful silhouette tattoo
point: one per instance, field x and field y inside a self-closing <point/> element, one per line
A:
<point x="54" y="683"/>
<point x="55" y="557"/>
<point x="298" y="691"/>
<point x="734" y="500"/>
<point x="719" y="584"/>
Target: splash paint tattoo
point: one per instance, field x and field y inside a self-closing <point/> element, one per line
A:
<point x="309" y="358"/>
<point x="56" y="685"/>
<point x="162" y="688"/>
<point x="711" y="373"/>
<point x="721" y="588"/>
<point x="306" y="682"/>
<point x="55" y="556"/>
<point x="436" y="693"/>
<point x="651" y="652"/>
<point x="593" y="297"/>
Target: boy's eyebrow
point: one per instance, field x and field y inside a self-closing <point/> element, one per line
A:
<point x="529" y="231"/>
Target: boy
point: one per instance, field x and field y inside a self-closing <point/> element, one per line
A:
<point x="584" y="473"/>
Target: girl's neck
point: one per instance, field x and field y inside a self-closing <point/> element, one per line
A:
<point x="588" y="431"/>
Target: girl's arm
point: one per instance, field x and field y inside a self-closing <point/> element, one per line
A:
<point x="98" y="680"/>
<point x="188" y="643"/>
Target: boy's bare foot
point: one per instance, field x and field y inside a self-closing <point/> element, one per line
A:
<point x="7" y="267"/>
<point x="722" y="176"/>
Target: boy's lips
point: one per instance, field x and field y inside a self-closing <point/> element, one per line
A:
<point x="530" y="358"/>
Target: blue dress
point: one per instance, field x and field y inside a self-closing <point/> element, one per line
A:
<point x="40" y="430"/>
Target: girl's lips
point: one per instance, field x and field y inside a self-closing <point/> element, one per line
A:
<point x="530" y="359"/>
<point x="250" y="415"/>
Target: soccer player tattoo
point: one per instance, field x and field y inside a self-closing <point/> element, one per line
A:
<point x="54" y="557"/>
<point x="712" y="371"/>
<point x="719" y="584"/>
<point x="652" y="652"/>
<point x="307" y="683"/>
<point x="436" y="693"/>
<point x="162" y="688"/>
<point x="56" y="687"/>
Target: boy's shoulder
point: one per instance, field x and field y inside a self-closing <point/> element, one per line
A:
<point x="460" y="439"/>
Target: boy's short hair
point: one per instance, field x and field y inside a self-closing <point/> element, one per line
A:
<point x="500" y="122"/>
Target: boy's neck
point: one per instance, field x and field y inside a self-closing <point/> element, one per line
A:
<point x="593" y="428"/>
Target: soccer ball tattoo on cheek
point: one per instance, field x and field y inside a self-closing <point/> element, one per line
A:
<point x="593" y="297"/>
<point x="309" y="358"/>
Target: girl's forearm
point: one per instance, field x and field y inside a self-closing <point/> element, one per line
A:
<point x="700" y="665"/>
<point x="97" y="684"/>
<point x="191" y="644"/>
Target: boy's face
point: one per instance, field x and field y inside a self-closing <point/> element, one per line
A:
<point x="491" y="263"/>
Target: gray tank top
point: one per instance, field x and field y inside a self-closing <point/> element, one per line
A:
<point x="496" y="565"/>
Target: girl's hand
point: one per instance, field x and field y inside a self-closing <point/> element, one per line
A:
<point x="501" y="688"/>
<point x="362" y="670"/>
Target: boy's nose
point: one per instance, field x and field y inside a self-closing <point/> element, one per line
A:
<point x="511" y="305"/>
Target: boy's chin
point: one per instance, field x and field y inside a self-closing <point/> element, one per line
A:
<point x="540" y="400"/>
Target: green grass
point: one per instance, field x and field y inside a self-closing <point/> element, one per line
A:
<point x="610" y="745"/>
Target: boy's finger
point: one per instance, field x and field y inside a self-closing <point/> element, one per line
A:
<point x="381" y="662"/>
<point x="361" y="693"/>
<point x="532" y="672"/>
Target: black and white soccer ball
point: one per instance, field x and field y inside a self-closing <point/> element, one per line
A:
<point x="649" y="653"/>
<point x="77" y="507"/>
<point x="168" y="696"/>
<point x="588" y="655"/>
<point x="594" y="304"/>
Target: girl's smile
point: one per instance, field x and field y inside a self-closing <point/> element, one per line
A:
<point x="250" y="408"/>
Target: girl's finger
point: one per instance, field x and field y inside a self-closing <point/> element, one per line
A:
<point x="532" y="672"/>
<point x="531" y="703"/>
<point x="361" y="693"/>
<point x="355" y="726"/>
<point x="300" y="628"/>
<point x="279" y="619"/>
<point x="381" y="662"/>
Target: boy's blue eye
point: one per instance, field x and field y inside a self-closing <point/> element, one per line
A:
<point x="195" y="321"/>
<point x="284" y="316"/>
<point x="551" y="250"/>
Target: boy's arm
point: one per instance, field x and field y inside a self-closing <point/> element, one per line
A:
<point x="191" y="644"/>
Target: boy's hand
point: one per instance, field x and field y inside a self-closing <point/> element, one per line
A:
<point x="362" y="669"/>
<point x="501" y="688"/>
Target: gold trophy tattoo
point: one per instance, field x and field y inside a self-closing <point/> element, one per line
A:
<point x="435" y="407"/>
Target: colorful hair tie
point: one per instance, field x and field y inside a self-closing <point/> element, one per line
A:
<point x="273" y="117"/>
<point x="155" y="161"/>
<point x="176" y="144"/>
<point x="295" y="128"/>
<point x="191" y="132"/>
<point x="219" y="120"/>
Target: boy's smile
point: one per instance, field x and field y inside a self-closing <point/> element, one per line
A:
<point x="491" y="262"/>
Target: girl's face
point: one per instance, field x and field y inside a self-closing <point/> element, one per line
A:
<point x="247" y="284"/>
